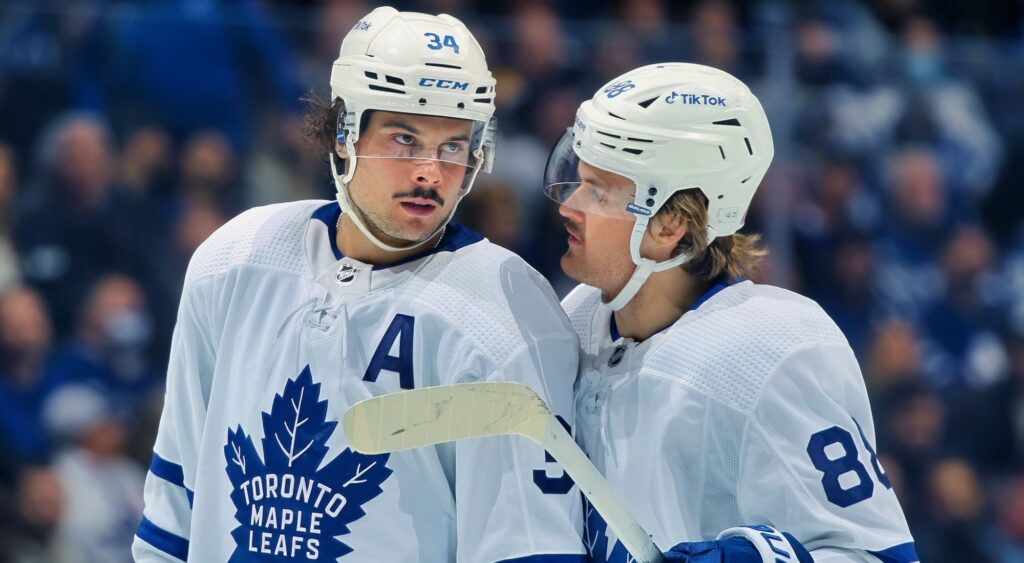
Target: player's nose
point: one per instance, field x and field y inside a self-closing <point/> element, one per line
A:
<point x="572" y="214"/>
<point x="427" y="172"/>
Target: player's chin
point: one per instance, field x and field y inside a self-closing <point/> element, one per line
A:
<point x="572" y="266"/>
<point x="417" y="231"/>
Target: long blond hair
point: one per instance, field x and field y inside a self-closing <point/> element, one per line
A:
<point x="737" y="255"/>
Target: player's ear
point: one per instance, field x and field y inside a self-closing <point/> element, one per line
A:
<point x="341" y="149"/>
<point x="667" y="229"/>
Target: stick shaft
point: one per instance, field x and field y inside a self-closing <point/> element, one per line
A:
<point x="593" y="485"/>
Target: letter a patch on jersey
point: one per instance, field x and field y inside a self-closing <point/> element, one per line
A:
<point x="287" y="509"/>
<point x="402" y="330"/>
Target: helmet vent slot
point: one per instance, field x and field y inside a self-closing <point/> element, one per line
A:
<point x="745" y="180"/>
<point x="616" y="117"/>
<point x="385" y="89"/>
<point x="633" y="151"/>
<point x="721" y="150"/>
<point x="646" y="103"/>
<point x="750" y="149"/>
<point x="607" y="145"/>
<point x="482" y="100"/>
<point x="481" y="90"/>
<point x="734" y="122"/>
<point x="442" y="65"/>
<point x="640" y="140"/>
<point x="394" y="80"/>
<point x="370" y="75"/>
<point x="612" y="135"/>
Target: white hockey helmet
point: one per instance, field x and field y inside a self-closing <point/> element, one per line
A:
<point x="666" y="127"/>
<point x="414" y="63"/>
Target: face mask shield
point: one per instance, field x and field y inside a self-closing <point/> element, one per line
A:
<point x="458" y="151"/>
<point x="588" y="189"/>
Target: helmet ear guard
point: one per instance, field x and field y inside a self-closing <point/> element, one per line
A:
<point x="672" y="127"/>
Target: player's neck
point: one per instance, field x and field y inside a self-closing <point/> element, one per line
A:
<point x="354" y="244"/>
<point x="664" y="297"/>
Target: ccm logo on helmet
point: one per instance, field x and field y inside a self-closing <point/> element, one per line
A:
<point x="695" y="99"/>
<point x="444" y="83"/>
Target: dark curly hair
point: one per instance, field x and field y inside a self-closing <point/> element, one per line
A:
<point x="320" y="122"/>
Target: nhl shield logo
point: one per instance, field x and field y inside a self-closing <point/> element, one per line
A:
<point x="346" y="274"/>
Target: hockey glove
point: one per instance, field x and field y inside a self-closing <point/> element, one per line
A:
<point x="749" y="544"/>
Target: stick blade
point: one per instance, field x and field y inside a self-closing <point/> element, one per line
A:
<point x="433" y="415"/>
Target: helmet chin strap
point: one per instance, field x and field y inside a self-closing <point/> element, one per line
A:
<point x="644" y="266"/>
<point x="349" y="209"/>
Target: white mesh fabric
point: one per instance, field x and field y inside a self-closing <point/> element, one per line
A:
<point x="269" y="237"/>
<point x="723" y="436"/>
<point x="736" y="340"/>
<point x="581" y="305"/>
<point x="491" y="295"/>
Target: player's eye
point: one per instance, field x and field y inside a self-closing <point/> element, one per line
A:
<point x="452" y="148"/>
<point x="599" y="195"/>
<point x="404" y="139"/>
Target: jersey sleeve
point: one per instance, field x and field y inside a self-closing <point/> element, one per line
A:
<point x="513" y="502"/>
<point x="164" y="534"/>
<point x="808" y="462"/>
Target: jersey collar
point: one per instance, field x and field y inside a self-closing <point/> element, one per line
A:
<point x="455" y="236"/>
<point x="717" y="285"/>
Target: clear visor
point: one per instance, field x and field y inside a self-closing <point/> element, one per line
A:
<point x="576" y="184"/>
<point x="456" y="149"/>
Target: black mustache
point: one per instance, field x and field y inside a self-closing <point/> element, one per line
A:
<point x="423" y="193"/>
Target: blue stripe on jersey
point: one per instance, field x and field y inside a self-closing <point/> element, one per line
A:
<point x="902" y="553"/>
<point x="328" y="215"/>
<point x="166" y="470"/>
<point x="455" y="236"/>
<point x="172" y="473"/>
<point x="169" y="543"/>
<point x="547" y="558"/>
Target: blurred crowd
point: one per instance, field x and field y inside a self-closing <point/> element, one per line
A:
<point x="131" y="130"/>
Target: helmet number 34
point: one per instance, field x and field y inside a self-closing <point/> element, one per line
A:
<point x="437" y="42"/>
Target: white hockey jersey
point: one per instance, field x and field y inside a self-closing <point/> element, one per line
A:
<point x="277" y="334"/>
<point x="749" y="409"/>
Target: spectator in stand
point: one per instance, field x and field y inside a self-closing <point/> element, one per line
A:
<point x="208" y="171"/>
<point x="893" y="356"/>
<point x="102" y="487"/>
<point x="717" y="40"/>
<point x="25" y="379"/>
<point x="72" y="231"/>
<point x="957" y="525"/>
<point x="913" y="233"/>
<point x="109" y="349"/>
<point x="234" y="61"/>
<point x="939" y="108"/>
<point x="912" y="428"/>
<point x="30" y="531"/>
<point x="993" y="421"/>
<point x="963" y="346"/>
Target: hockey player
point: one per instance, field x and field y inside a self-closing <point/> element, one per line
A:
<point x="290" y="313"/>
<point x="731" y="417"/>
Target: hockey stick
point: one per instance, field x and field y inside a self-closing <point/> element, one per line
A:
<point x="433" y="415"/>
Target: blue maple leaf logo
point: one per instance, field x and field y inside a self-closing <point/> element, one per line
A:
<point x="287" y="507"/>
<point x="599" y="536"/>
